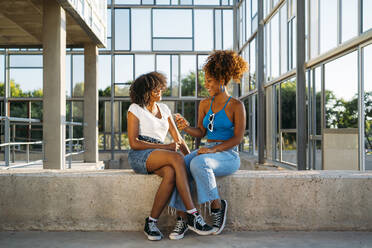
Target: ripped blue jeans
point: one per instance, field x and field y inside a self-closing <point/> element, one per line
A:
<point x="203" y="169"/>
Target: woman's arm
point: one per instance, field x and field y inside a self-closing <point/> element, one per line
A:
<point x="239" y="128"/>
<point x="177" y="137"/>
<point x="198" y="132"/>
<point x="136" y="144"/>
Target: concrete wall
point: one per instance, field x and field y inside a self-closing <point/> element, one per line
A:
<point x="120" y="200"/>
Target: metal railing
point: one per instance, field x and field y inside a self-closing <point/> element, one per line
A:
<point x="71" y="145"/>
<point x="7" y="145"/>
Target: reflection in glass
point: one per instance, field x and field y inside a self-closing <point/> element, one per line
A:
<point x="144" y="64"/>
<point x="26" y="60"/>
<point x="248" y="19"/>
<point x="288" y="104"/>
<point x="26" y="82"/>
<point x="141" y="26"/>
<point x="328" y="25"/>
<point x="78" y="75"/>
<point x="283" y="39"/>
<point x="123" y="72"/>
<point x="275" y="46"/>
<point x="367" y="80"/>
<point x="175" y="75"/>
<point x="163" y="65"/>
<point x="341" y="92"/>
<point x="252" y="64"/>
<point x="218" y="29"/>
<point x="202" y="92"/>
<point x="104" y="75"/>
<point x="367" y="17"/>
<point x="289" y="147"/>
<point x="228" y="29"/>
<point x="349" y="22"/>
<point x="203" y="31"/>
<point x="172" y="44"/>
<point x="122" y="29"/>
<point x="245" y="80"/>
<point x="167" y="23"/>
<point x="188" y="79"/>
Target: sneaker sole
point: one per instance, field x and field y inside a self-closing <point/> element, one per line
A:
<point x="177" y="237"/>
<point x="153" y="238"/>
<point x="224" y="221"/>
<point x="203" y="233"/>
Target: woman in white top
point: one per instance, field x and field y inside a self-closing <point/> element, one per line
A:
<point x="148" y="124"/>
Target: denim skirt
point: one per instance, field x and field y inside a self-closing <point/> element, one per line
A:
<point x="137" y="158"/>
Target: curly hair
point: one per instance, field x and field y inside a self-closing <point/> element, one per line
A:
<point x="224" y="65"/>
<point x="140" y="90"/>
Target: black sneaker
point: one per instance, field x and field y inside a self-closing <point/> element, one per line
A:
<point x="197" y="224"/>
<point x="179" y="230"/>
<point x="152" y="231"/>
<point x="219" y="217"/>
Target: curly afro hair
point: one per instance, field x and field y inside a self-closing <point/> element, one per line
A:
<point x="224" y="65"/>
<point x="140" y="90"/>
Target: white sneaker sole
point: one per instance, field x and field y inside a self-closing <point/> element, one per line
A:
<point x="203" y="233"/>
<point x="177" y="237"/>
<point x="224" y="221"/>
<point x="153" y="238"/>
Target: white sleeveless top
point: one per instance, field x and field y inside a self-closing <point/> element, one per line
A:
<point x="149" y="125"/>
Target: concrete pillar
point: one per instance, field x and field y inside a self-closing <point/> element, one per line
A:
<point x="91" y="103"/>
<point x="54" y="88"/>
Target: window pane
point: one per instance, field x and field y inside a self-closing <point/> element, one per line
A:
<point x="328" y="25"/>
<point x="313" y="29"/>
<point x="108" y="22"/>
<point x="206" y="2"/>
<point x="349" y="19"/>
<point x="188" y="80"/>
<point x="2" y="76"/>
<point x="127" y="1"/>
<point x="122" y="29"/>
<point x="26" y="82"/>
<point x="288" y="104"/>
<point x="186" y="2"/>
<point x="283" y="40"/>
<point x="367" y="17"/>
<point x="172" y="44"/>
<point x="252" y="64"/>
<point x="202" y="91"/>
<point x="124" y="69"/>
<point x="141" y="26"/>
<point x="163" y="63"/>
<point x="26" y="60"/>
<point x="218" y="28"/>
<point x="228" y="29"/>
<point x="248" y="19"/>
<point x="368" y="105"/>
<point x="68" y="75"/>
<point x="78" y="75"/>
<point x="147" y="1"/>
<point x="341" y="89"/>
<point x="289" y="153"/>
<point x="104" y="75"/>
<point x="144" y="64"/>
<point x="162" y="2"/>
<point x="168" y="23"/>
<point x="175" y="75"/>
<point x="275" y="58"/>
<point x="254" y="7"/>
<point x="203" y="30"/>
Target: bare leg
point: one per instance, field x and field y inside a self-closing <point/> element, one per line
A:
<point x="216" y="204"/>
<point x="181" y="214"/>
<point x="164" y="191"/>
<point x="161" y="158"/>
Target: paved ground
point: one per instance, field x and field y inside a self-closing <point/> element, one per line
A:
<point x="226" y="239"/>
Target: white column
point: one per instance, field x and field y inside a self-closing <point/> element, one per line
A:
<point x="54" y="88"/>
<point x="91" y="103"/>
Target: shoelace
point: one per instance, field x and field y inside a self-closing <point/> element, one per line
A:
<point x="200" y="220"/>
<point x="153" y="227"/>
<point x="179" y="226"/>
<point x="217" y="218"/>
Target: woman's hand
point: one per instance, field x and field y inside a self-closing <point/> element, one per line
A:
<point x="205" y="150"/>
<point x="173" y="146"/>
<point x="181" y="122"/>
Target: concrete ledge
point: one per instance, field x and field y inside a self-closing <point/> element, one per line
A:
<point x="120" y="200"/>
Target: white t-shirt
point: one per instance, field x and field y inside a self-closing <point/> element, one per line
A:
<point x="150" y="125"/>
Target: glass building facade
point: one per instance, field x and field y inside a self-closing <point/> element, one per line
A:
<point x="175" y="38"/>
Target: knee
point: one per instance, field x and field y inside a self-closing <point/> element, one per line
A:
<point x="169" y="175"/>
<point x="197" y="165"/>
<point x="176" y="159"/>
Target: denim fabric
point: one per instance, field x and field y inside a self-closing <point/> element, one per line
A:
<point x="203" y="169"/>
<point x="137" y="158"/>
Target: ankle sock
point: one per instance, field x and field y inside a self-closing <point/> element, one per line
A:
<point x="192" y="211"/>
<point x="153" y="219"/>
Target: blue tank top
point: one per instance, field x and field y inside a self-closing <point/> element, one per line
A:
<point x="223" y="128"/>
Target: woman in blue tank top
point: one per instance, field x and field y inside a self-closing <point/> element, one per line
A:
<point x="222" y="120"/>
